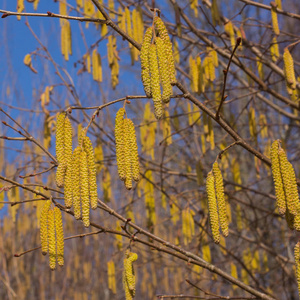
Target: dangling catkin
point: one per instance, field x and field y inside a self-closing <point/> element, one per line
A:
<point x="289" y="69"/>
<point x="212" y="207"/>
<point x="88" y="147"/>
<point x="127" y="152"/>
<point x="60" y="140"/>
<point x="275" y="20"/>
<point x="163" y="70"/>
<point x="68" y="188"/>
<point x="219" y="187"/>
<point x="134" y="153"/>
<point x="144" y="55"/>
<point x="291" y="202"/>
<point x="84" y="189"/>
<point x="120" y="143"/>
<point x="76" y="182"/>
<point x="51" y="239"/>
<point x="44" y="227"/>
<point x="128" y="274"/>
<point x="277" y="178"/>
<point x="59" y="236"/>
<point x="155" y="87"/>
<point x="163" y="33"/>
<point x="297" y="263"/>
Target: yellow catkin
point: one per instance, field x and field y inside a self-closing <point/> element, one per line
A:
<point x="155" y="87"/>
<point x="51" y="239"/>
<point x="297" y="263"/>
<point x="145" y="65"/>
<point x="289" y="70"/>
<point x="274" y="49"/>
<point x="127" y="154"/>
<point x="68" y="185"/>
<point x="88" y="147"/>
<point x="289" y="184"/>
<point x="76" y="182"/>
<point x="68" y="141"/>
<point x="219" y="187"/>
<point x="212" y="207"/>
<point x="129" y="275"/>
<point x="128" y="23"/>
<point x="44" y="226"/>
<point x="163" y="70"/>
<point x="275" y="20"/>
<point x="84" y="189"/>
<point x="276" y="172"/>
<point x="59" y="236"/>
<point x="163" y="33"/>
<point x="194" y="74"/>
<point x="134" y="153"/>
<point x="120" y="143"/>
<point x="60" y="139"/>
<point x="230" y="31"/>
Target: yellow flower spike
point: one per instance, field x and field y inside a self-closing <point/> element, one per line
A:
<point x="134" y="152"/>
<point x="155" y="87"/>
<point x="51" y="240"/>
<point x="145" y="72"/>
<point x="60" y="174"/>
<point x="59" y="236"/>
<point x="291" y="203"/>
<point x="88" y="147"/>
<point x="127" y="154"/>
<point x="76" y="182"/>
<point x="219" y="187"/>
<point x="128" y="274"/>
<point x="274" y="49"/>
<point x="84" y="189"/>
<point x="212" y="207"/>
<point x="60" y="136"/>
<point x="276" y="172"/>
<point x="120" y="143"/>
<point x="275" y="20"/>
<point x="163" y="70"/>
<point x="293" y="187"/>
<point x="289" y="70"/>
<point x="44" y="227"/>
<point x="297" y="262"/>
<point x="163" y="33"/>
<point x="68" y="189"/>
<point x="68" y="141"/>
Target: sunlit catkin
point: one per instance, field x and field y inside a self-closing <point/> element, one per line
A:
<point x="155" y="87"/>
<point x="219" y="187"/>
<point x="129" y="275"/>
<point x="289" y="70"/>
<point x="163" y="70"/>
<point x="289" y="185"/>
<point x="120" y="143"/>
<point x="60" y="140"/>
<point x="88" y="147"/>
<point x="44" y="227"/>
<point x="59" y="236"/>
<point x="212" y="207"/>
<point x="277" y="178"/>
<point x="275" y="20"/>
<point x="51" y="239"/>
<point x="144" y="55"/>
<point x="163" y="33"/>
<point x="68" y="186"/>
<point x="84" y="189"/>
<point x="76" y="182"/>
<point x="134" y="153"/>
<point x="127" y="152"/>
<point x="297" y="263"/>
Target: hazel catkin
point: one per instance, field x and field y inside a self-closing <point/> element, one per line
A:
<point x="59" y="236"/>
<point x="120" y="143"/>
<point x="84" y="189"/>
<point x="51" y="239"/>
<point x="44" y="226"/>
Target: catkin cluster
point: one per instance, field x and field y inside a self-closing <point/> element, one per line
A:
<point x="285" y="186"/>
<point x="216" y="203"/>
<point x="63" y="146"/>
<point x="52" y="235"/>
<point x="158" y="66"/>
<point x="81" y="181"/>
<point x="128" y="274"/>
<point x="126" y="150"/>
